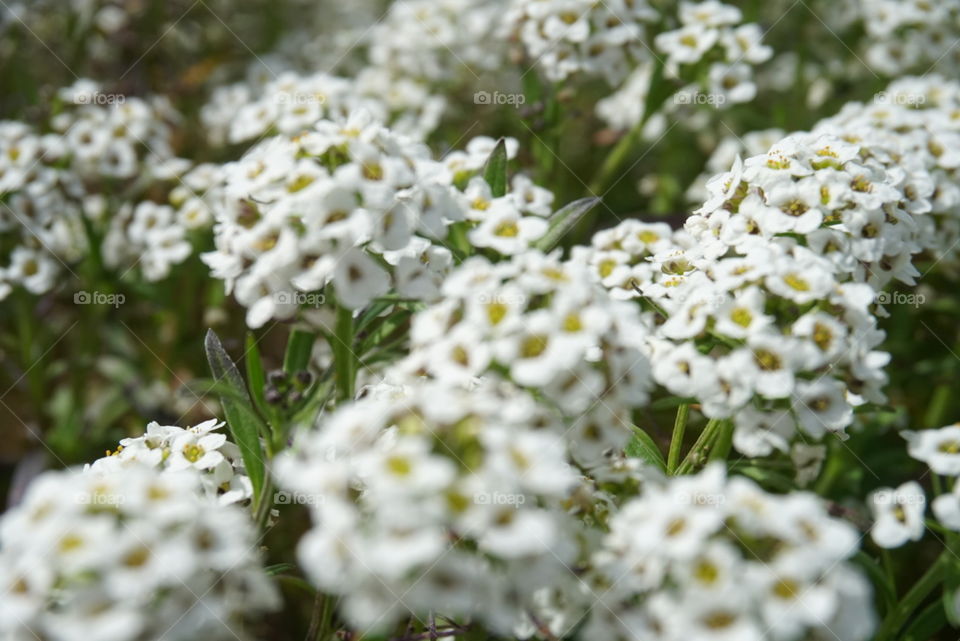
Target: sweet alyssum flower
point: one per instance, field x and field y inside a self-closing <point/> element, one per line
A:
<point x="353" y="205"/>
<point x="549" y="327"/>
<point x="127" y="553"/>
<point x="767" y="335"/>
<point x="739" y="563"/>
<point x="289" y="103"/>
<point x="572" y="37"/>
<point x="438" y="498"/>
<point x="200" y="447"/>
<point x="898" y="514"/>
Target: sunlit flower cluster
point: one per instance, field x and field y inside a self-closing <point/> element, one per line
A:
<point x="569" y="37"/>
<point x="290" y="103"/>
<point x="438" y="498"/>
<point x="353" y="204"/>
<point x="55" y="184"/>
<point x="736" y="561"/>
<point x="172" y="448"/>
<point x="551" y="328"/>
<point x="438" y="40"/>
<point x="124" y="554"/>
<point x="710" y="32"/>
<point x="899" y="512"/>
<point x="902" y="36"/>
<point x="769" y="336"/>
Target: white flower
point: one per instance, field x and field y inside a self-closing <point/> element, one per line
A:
<point x="939" y="449"/>
<point x="121" y="553"/>
<point x="359" y="279"/>
<point x="898" y="514"/>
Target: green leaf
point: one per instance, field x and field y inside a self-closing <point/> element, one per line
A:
<point x="951" y="581"/>
<point x="642" y="446"/>
<point x="671" y="402"/>
<point x="278" y="568"/>
<point x="238" y="411"/>
<point x="299" y="347"/>
<point x="878" y="577"/>
<point x="926" y="624"/>
<point x="495" y="171"/>
<point x="563" y="221"/>
<point x="256" y="379"/>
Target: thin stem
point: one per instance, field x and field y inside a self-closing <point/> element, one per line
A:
<point x="676" y="441"/>
<point x="701" y="448"/>
<point x="897" y="617"/>
<point x="616" y="158"/>
<point x="317" y="617"/>
<point x="345" y="361"/>
<point x="262" y="511"/>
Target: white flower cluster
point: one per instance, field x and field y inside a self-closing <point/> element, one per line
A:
<point x="737" y="562"/>
<point x="437" y="498"/>
<point x="546" y="324"/>
<point x="126" y="555"/>
<point x="909" y="35"/>
<point x="438" y="40"/>
<point x="868" y="188"/>
<point x="572" y="37"/>
<point x="353" y="204"/>
<point x="768" y="336"/>
<point x="39" y="212"/>
<point x="172" y="448"/>
<point x="913" y="129"/>
<point x="55" y="185"/>
<point x="290" y="103"/>
<point x="710" y="32"/>
<point x="899" y="512"/>
<point x="843" y="202"/>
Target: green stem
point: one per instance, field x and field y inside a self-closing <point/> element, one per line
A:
<point x="723" y="442"/>
<point x="676" y="441"/>
<point x="320" y="618"/>
<point x="701" y="448"/>
<point x="345" y="361"/>
<point x="897" y="617"/>
<point x="835" y="466"/>
<point x="613" y="161"/>
<point x="262" y="510"/>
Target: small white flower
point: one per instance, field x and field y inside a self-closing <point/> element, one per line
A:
<point x="898" y="514"/>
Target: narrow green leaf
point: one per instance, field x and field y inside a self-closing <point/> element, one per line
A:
<point x="278" y="568"/>
<point x="222" y="388"/>
<point x="563" y="221"/>
<point x="371" y="313"/>
<point x="495" y="171"/>
<point x="642" y="446"/>
<point x="926" y="624"/>
<point x="671" y="402"/>
<point x="238" y="411"/>
<point x="299" y="347"/>
<point x="256" y="379"/>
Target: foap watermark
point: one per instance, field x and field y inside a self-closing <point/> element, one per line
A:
<point x="98" y="98"/>
<point x="885" y="499"/>
<point x="499" y="98"/>
<point x="505" y="299"/>
<point x="702" y="499"/>
<point x="899" y="98"/>
<point x="297" y="498"/>
<point x="698" y="98"/>
<point x="98" y="298"/>
<point x="301" y="98"/>
<point x="99" y="499"/>
<point x="901" y="298"/>
<point x="499" y="498"/>
<point x="308" y="299"/>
